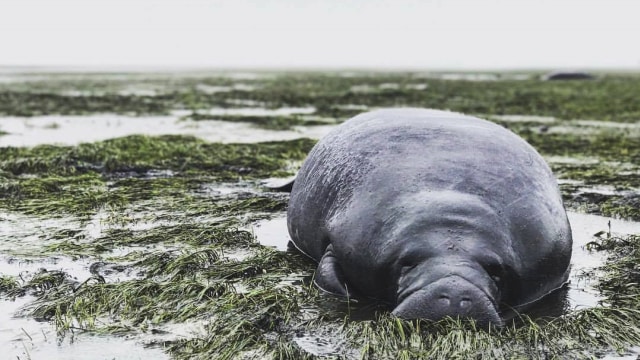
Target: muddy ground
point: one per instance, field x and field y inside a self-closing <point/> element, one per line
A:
<point x="134" y="220"/>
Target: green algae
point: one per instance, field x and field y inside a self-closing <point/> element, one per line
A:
<point x="605" y="144"/>
<point x="111" y="174"/>
<point x="139" y="153"/>
<point x="8" y="284"/>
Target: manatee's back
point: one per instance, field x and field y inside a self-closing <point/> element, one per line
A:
<point x="373" y="142"/>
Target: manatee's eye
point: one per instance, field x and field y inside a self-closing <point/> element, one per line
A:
<point x="495" y="271"/>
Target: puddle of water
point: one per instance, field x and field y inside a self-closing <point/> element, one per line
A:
<point x="135" y="91"/>
<point x="572" y="130"/>
<point x="170" y="332"/>
<point x="581" y="292"/>
<point x="252" y="111"/>
<point x="33" y="232"/>
<point x="355" y="106"/>
<point x="80" y="93"/>
<point x="237" y="132"/>
<point x="322" y="344"/>
<point x="25" y="267"/>
<point x="272" y="232"/>
<point x="556" y="159"/>
<point x="87" y="347"/>
<point x="211" y="89"/>
<point x="591" y="127"/>
<point x="237" y="254"/>
<point x="30" y="230"/>
<point x="604" y="190"/>
<point x="245" y="103"/>
<point x="417" y="86"/>
<point x="73" y="130"/>
<point x="364" y="88"/>
<point x="389" y="86"/>
<point x="524" y="118"/>
<point x="607" y="124"/>
<point x="25" y="338"/>
<point x="224" y="189"/>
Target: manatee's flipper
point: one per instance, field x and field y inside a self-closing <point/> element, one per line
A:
<point x="279" y="186"/>
<point x="329" y="275"/>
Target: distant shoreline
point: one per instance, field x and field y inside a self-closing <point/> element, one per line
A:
<point x="61" y="69"/>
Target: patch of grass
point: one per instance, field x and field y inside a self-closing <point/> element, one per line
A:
<point x="8" y="284"/>
<point x="39" y="284"/>
<point x="114" y="173"/>
<point x="621" y="282"/>
<point x="33" y="104"/>
<point x="138" y="153"/>
<point x="577" y="335"/>
<point x="599" y="174"/>
<point x="243" y="299"/>
<point x="607" y="189"/>
<point x="605" y="144"/>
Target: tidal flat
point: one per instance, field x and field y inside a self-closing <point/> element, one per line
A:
<point x="135" y="221"/>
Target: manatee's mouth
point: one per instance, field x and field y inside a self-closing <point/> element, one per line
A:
<point x="451" y="296"/>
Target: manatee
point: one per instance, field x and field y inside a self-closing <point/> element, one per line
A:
<point x="437" y="214"/>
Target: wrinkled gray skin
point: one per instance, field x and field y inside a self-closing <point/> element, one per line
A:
<point x="436" y="213"/>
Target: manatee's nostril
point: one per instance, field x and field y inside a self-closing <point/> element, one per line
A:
<point x="444" y="300"/>
<point x="465" y="302"/>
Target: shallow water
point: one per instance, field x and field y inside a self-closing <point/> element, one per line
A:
<point x="584" y="226"/>
<point x="524" y="118"/>
<point x="73" y="130"/>
<point x="272" y="232"/>
<point x="253" y="111"/>
<point x="26" y="338"/>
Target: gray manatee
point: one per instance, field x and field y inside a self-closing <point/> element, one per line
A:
<point x="435" y="213"/>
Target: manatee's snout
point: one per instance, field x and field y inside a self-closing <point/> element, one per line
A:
<point x="451" y="296"/>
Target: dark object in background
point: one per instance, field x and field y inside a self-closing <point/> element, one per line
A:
<point x="568" y="75"/>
